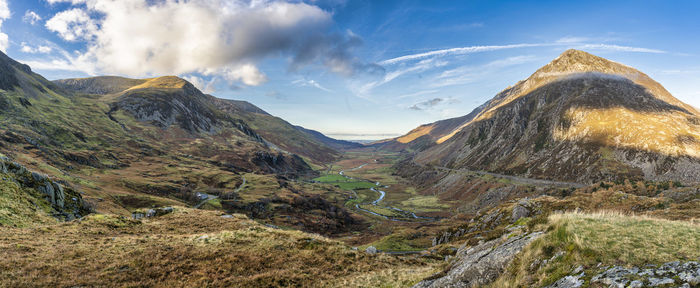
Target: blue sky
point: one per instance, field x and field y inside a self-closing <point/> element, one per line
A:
<point x="352" y="69"/>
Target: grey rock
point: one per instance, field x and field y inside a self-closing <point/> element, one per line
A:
<point x="519" y="211"/>
<point x="655" y="282"/>
<point x="636" y="284"/>
<point x="47" y="189"/>
<point x="686" y="274"/>
<point x="60" y="195"/>
<point x="17" y="168"/>
<point x="38" y="177"/>
<point x="568" y="282"/>
<point x="481" y="264"/>
<point x="371" y="250"/>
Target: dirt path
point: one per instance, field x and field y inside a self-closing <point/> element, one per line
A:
<point x="209" y="197"/>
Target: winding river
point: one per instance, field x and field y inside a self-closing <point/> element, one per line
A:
<point x="410" y="216"/>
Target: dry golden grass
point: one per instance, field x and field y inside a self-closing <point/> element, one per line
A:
<point x="162" y="82"/>
<point x="415" y="133"/>
<point x="608" y="238"/>
<point x="669" y="133"/>
<point x="190" y="248"/>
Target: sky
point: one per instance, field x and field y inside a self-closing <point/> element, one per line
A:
<point x="351" y="69"/>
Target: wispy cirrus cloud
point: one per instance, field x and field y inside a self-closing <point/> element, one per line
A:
<point x="471" y="73"/>
<point x="571" y="42"/>
<point x="455" y="51"/>
<point x="609" y="47"/>
<point x="310" y="83"/>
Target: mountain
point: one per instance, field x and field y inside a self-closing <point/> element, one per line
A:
<point x="426" y="135"/>
<point x="133" y="143"/>
<point x="579" y="118"/>
<point x="171" y="100"/>
<point x="330" y="142"/>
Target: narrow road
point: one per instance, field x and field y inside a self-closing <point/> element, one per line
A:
<point x="205" y="199"/>
<point x="208" y="197"/>
<point x="240" y="186"/>
<point x="523" y="180"/>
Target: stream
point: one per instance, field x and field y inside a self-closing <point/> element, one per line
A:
<point x="382" y="194"/>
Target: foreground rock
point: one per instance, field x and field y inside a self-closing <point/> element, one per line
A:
<point x="40" y="192"/>
<point x="671" y="274"/>
<point x="481" y="264"/>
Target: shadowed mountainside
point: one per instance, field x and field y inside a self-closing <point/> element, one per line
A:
<point x="579" y="118"/>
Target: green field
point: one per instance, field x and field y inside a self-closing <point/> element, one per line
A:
<point x="345" y="183"/>
<point x="332" y="178"/>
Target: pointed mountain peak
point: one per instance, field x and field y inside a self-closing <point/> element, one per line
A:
<point x="163" y="82"/>
<point x="573" y="53"/>
<point x="577" y="61"/>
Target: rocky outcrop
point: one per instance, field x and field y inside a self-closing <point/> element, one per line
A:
<point x="671" y="274"/>
<point x="154" y="212"/>
<point x="520" y="210"/>
<point x="64" y="202"/>
<point x="481" y="264"/>
<point x="281" y="163"/>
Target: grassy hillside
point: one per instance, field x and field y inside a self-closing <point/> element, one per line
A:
<point x="598" y="240"/>
<point x="192" y="248"/>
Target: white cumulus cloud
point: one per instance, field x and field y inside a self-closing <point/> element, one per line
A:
<point x="74" y="24"/>
<point x="38" y="49"/>
<point x="4" y="15"/>
<point x="31" y="17"/>
<point x="210" y="37"/>
<point x="247" y="74"/>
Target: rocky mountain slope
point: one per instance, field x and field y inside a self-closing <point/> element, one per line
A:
<point x="579" y="118"/>
<point x="169" y="100"/>
<point x="426" y="135"/>
<point x="132" y="143"/>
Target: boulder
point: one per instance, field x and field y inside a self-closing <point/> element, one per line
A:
<point x="574" y="281"/>
<point x="47" y="189"/>
<point x="371" y="250"/>
<point x="60" y="195"/>
<point x="519" y="211"/>
<point x="482" y="264"/>
<point x="38" y="177"/>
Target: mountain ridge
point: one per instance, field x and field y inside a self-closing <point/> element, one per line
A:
<point x="138" y="95"/>
<point x="573" y="115"/>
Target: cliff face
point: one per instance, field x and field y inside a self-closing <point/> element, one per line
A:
<point x="579" y="118"/>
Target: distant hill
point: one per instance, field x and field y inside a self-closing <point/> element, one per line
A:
<point x="334" y="143"/>
<point x="426" y="135"/>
